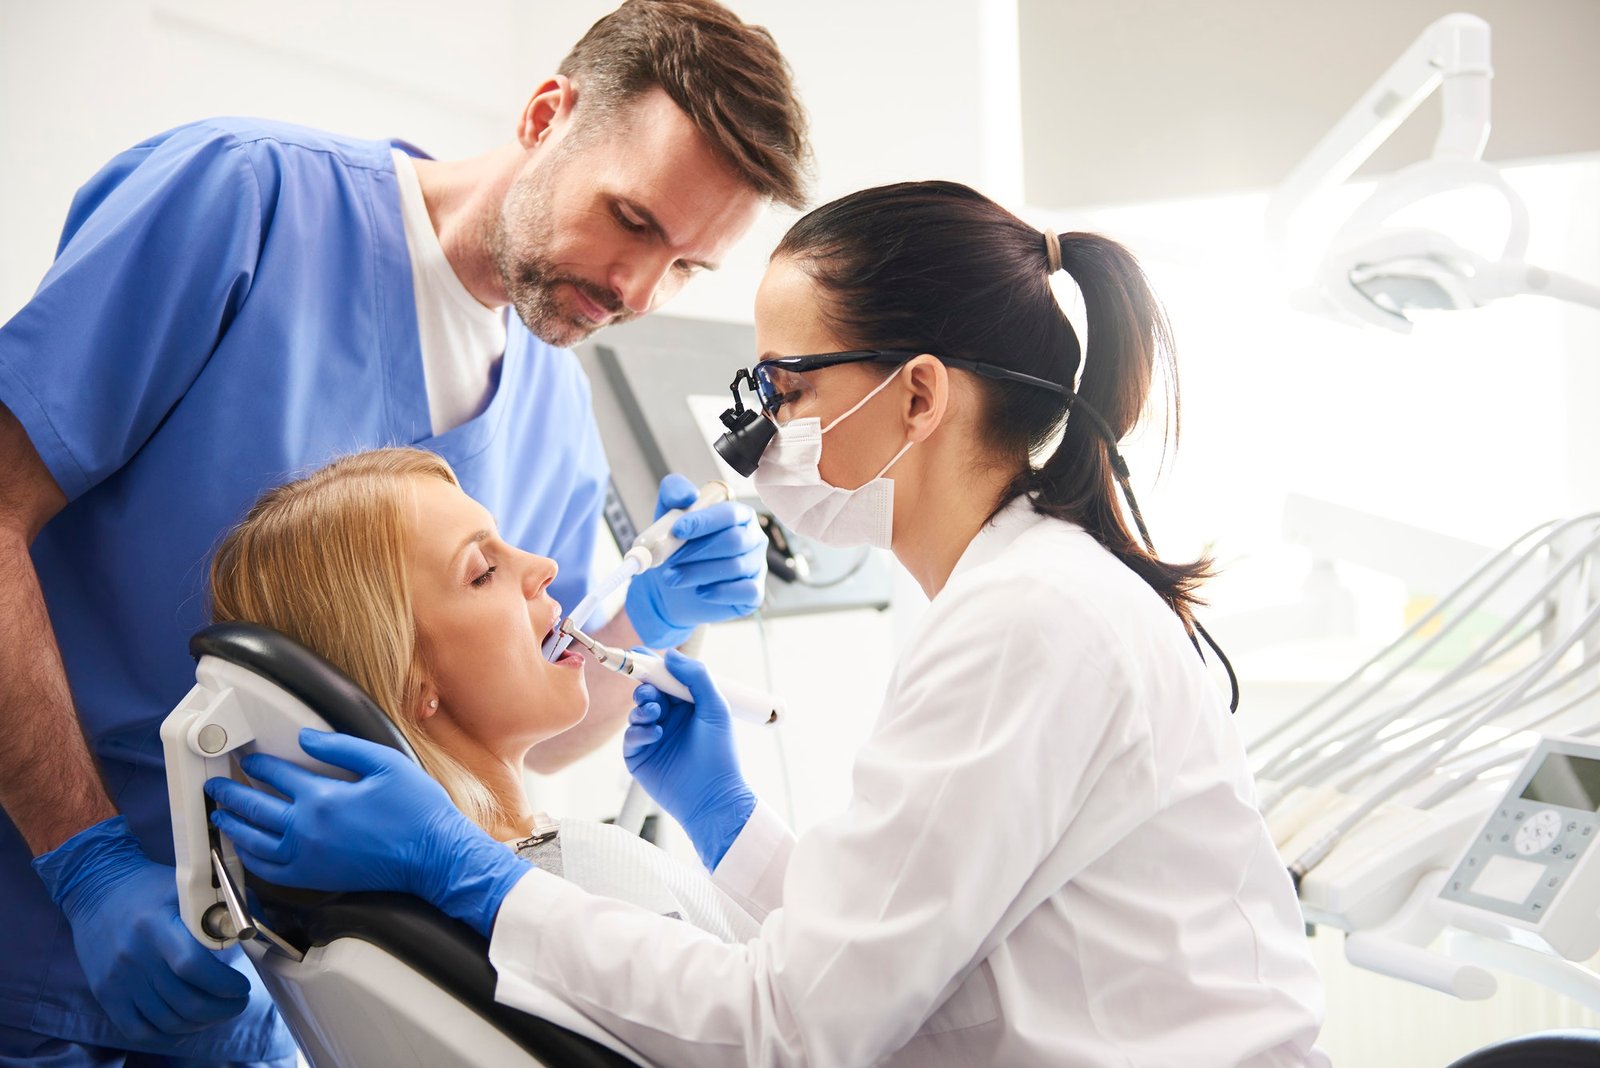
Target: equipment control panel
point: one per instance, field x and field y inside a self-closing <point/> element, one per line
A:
<point x="1534" y="865"/>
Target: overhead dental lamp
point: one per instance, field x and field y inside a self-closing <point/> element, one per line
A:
<point x="1377" y="274"/>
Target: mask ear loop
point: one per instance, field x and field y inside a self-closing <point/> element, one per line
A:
<point x="857" y="406"/>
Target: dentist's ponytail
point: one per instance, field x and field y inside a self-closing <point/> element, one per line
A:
<point x="937" y="267"/>
<point x="1130" y="342"/>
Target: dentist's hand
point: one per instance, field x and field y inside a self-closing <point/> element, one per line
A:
<point x="145" y="968"/>
<point x="718" y="573"/>
<point x="394" y="828"/>
<point x="684" y="756"/>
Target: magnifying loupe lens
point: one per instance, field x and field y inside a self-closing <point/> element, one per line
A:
<point x="742" y="446"/>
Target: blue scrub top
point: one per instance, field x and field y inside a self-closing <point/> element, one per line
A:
<point x="231" y="306"/>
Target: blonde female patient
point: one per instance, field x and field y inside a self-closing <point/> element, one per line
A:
<point x="383" y="566"/>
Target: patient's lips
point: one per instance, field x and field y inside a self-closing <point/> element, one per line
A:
<point x="555" y="621"/>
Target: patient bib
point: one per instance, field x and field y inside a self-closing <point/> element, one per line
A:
<point x="606" y="860"/>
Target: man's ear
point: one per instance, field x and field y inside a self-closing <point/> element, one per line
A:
<point x="928" y="382"/>
<point x="547" y="111"/>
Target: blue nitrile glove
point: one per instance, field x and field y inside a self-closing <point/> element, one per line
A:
<point x="392" y="829"/>
<point x="147" y="971"/>
<point x="683" y="755"/>
<point x="718" y="573"/>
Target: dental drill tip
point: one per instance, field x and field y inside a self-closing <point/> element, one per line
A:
<point x="595" y="649"/>
<point x="559" y="639"/>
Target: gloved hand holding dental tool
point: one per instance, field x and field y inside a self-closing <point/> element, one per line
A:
<point x="703" y="560"/>
<point x="682" y="752"/>
<point x="715" y="565"/>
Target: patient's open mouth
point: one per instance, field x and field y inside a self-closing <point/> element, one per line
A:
<point x="570" y="656"/>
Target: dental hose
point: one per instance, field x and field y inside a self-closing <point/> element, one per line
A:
<point x="744" y="703"/>
<point x="654" y="545"/>
<point x="558" y="641"/>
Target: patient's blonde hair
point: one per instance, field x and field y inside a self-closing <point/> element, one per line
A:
<point x="325" y="560"/>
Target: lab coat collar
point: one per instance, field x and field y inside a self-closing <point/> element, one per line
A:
<point x="997" y="535"/>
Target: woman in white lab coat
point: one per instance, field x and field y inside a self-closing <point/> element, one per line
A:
<point x="1051" y="854"/>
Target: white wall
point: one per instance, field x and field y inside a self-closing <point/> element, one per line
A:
<point x="82" y="80"/>
<point x="1170" y="98"/>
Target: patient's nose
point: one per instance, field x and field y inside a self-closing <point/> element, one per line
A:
<point x="537" y="574"/>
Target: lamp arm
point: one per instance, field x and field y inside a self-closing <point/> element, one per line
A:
<point x="1515" y="278"/>
<point x="1454" y="52"/>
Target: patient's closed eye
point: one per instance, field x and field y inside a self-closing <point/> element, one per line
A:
<point x="483" y="579"/>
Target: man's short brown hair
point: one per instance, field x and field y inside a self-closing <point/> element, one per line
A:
<point x="727" y="76"/>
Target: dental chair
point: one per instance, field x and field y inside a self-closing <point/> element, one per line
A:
<point x="360" y="979"/>
<point x="1578" y="1048"/>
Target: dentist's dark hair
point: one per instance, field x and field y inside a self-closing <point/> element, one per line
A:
<point x="937" y="267"/>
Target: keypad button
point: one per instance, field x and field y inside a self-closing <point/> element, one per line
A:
<point x="1472" y="862"/>
<point x="1553" y="880"/>
<point x="1572" y="826"/>
<point x="1571" y="854"/>
<point x="1505" y="838"/>
<point x="1556" y="849"/>
<point x="1521" y="815"/>
<point x="1587" y="829"/>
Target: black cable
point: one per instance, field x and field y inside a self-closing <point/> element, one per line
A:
<point x="1227" y="665"/>
<point x="1124" y="479"/>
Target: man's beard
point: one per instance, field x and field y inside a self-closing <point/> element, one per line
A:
<point x="531" y="279"/>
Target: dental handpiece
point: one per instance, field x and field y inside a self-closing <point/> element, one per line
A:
<point x="655" y="543"/>
<point x="650" y="548"/>
<point x="744" y="702"/>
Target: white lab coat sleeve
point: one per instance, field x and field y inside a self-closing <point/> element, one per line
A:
<point x="752" y="870"/>
<point x="997" y="748"/>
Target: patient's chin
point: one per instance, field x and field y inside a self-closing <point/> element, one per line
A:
<point x="558" y="717"/>
<point x="578" y="711"/>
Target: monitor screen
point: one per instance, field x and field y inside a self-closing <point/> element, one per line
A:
<point x="1570" y="781"/>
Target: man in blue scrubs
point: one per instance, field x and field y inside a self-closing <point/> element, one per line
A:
<point x="235" y="301"/>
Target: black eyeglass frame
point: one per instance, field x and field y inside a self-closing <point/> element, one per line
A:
<point x="817" y="361"/>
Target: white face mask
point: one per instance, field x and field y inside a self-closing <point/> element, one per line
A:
<point x="791" y="485"/>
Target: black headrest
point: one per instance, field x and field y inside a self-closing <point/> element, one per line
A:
<point x="323" y="688"/>
<point x="1575" y="1048"/>
<point x="446" y="951"/>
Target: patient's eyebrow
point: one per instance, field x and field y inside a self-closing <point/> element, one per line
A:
<point x="470" y="540"/>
